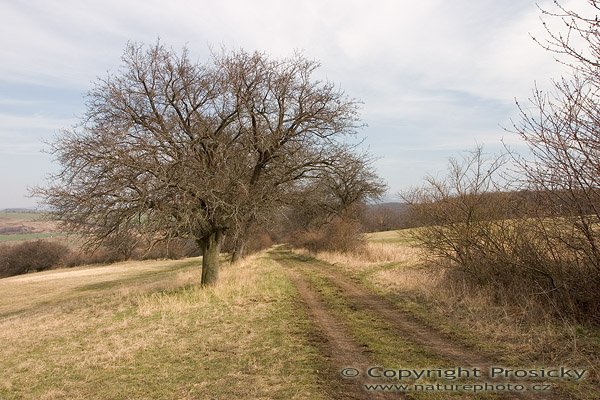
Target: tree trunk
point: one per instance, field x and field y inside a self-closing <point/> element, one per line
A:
<point x="239" y="247"/>
<point x="239" y="250"/>
<point x="211" y="247"/>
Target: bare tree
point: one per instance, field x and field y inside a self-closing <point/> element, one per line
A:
<point x="173" y="148"/>
<point x="349" y="180"/>
<point x="327" y="212"/>
<point x="577" y="43"/>
<point x="291" y="125"/>
<point x="561" y="128"/>
<point x="456" y="212"/>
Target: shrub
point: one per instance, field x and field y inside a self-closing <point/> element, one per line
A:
<point x="341" y="234"/>
<point x="261" y="240"/>
<point x="506" y="242"/>
<point x="30" y="256"/>
<point x="39" y="255"/>
<point x="115" y="251"/>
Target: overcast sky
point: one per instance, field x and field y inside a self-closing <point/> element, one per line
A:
<point x="436" y="76"/>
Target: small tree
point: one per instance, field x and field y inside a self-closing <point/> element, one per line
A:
<point x="350" y="180"/>
<point x="327" y="213"/>
<point x="172" y="148"/>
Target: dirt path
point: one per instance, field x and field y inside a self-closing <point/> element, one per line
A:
<point x="343" y="351"/>
<point x="405" y="324"/>
<point x="336" y="344"/>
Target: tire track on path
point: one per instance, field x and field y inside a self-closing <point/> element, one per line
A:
<point x="335" y="343"/>
<point x="342" y="350"/>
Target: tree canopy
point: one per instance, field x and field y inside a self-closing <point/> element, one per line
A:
<point x="170" y="147"/>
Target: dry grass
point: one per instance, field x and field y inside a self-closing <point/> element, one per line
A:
<point x="48" y="287"/>
<point x="372" y="254"/>
<point x="518" y="333"/>
<point x="387" y="237"/>
<point x="413" y="280"/>
<point x="147" y="330"/>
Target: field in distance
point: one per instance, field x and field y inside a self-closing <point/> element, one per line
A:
<point x="22" y="224"/>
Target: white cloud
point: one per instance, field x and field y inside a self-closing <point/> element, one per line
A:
<point x="17" y="102"/>
<point x="432" y="74"/>
<point x="36" y="122"/>
<point x="482" y="47"/>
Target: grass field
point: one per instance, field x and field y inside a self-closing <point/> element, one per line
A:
<point x="147" y="329"/>
<point x="386" y="237"/>
<point x="21" y="216"/>
<point x="20" y="237"/>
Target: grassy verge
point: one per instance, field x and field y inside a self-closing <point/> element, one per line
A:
<point x="147" y="330"/>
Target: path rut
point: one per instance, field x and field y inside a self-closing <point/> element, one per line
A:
<point x="342" y="350"/>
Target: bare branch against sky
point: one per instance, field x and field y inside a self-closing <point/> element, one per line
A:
<point x="435" y="76"/>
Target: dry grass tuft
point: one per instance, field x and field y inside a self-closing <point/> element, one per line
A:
<point x="420" y="281"/>
<point x="235" y="283"/>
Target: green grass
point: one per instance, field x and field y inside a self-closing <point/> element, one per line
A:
<point x="19" y="237"/>
<point x="388" y="348"/>
<point x="26" y="216"/>
<point x="147" y="330"/>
